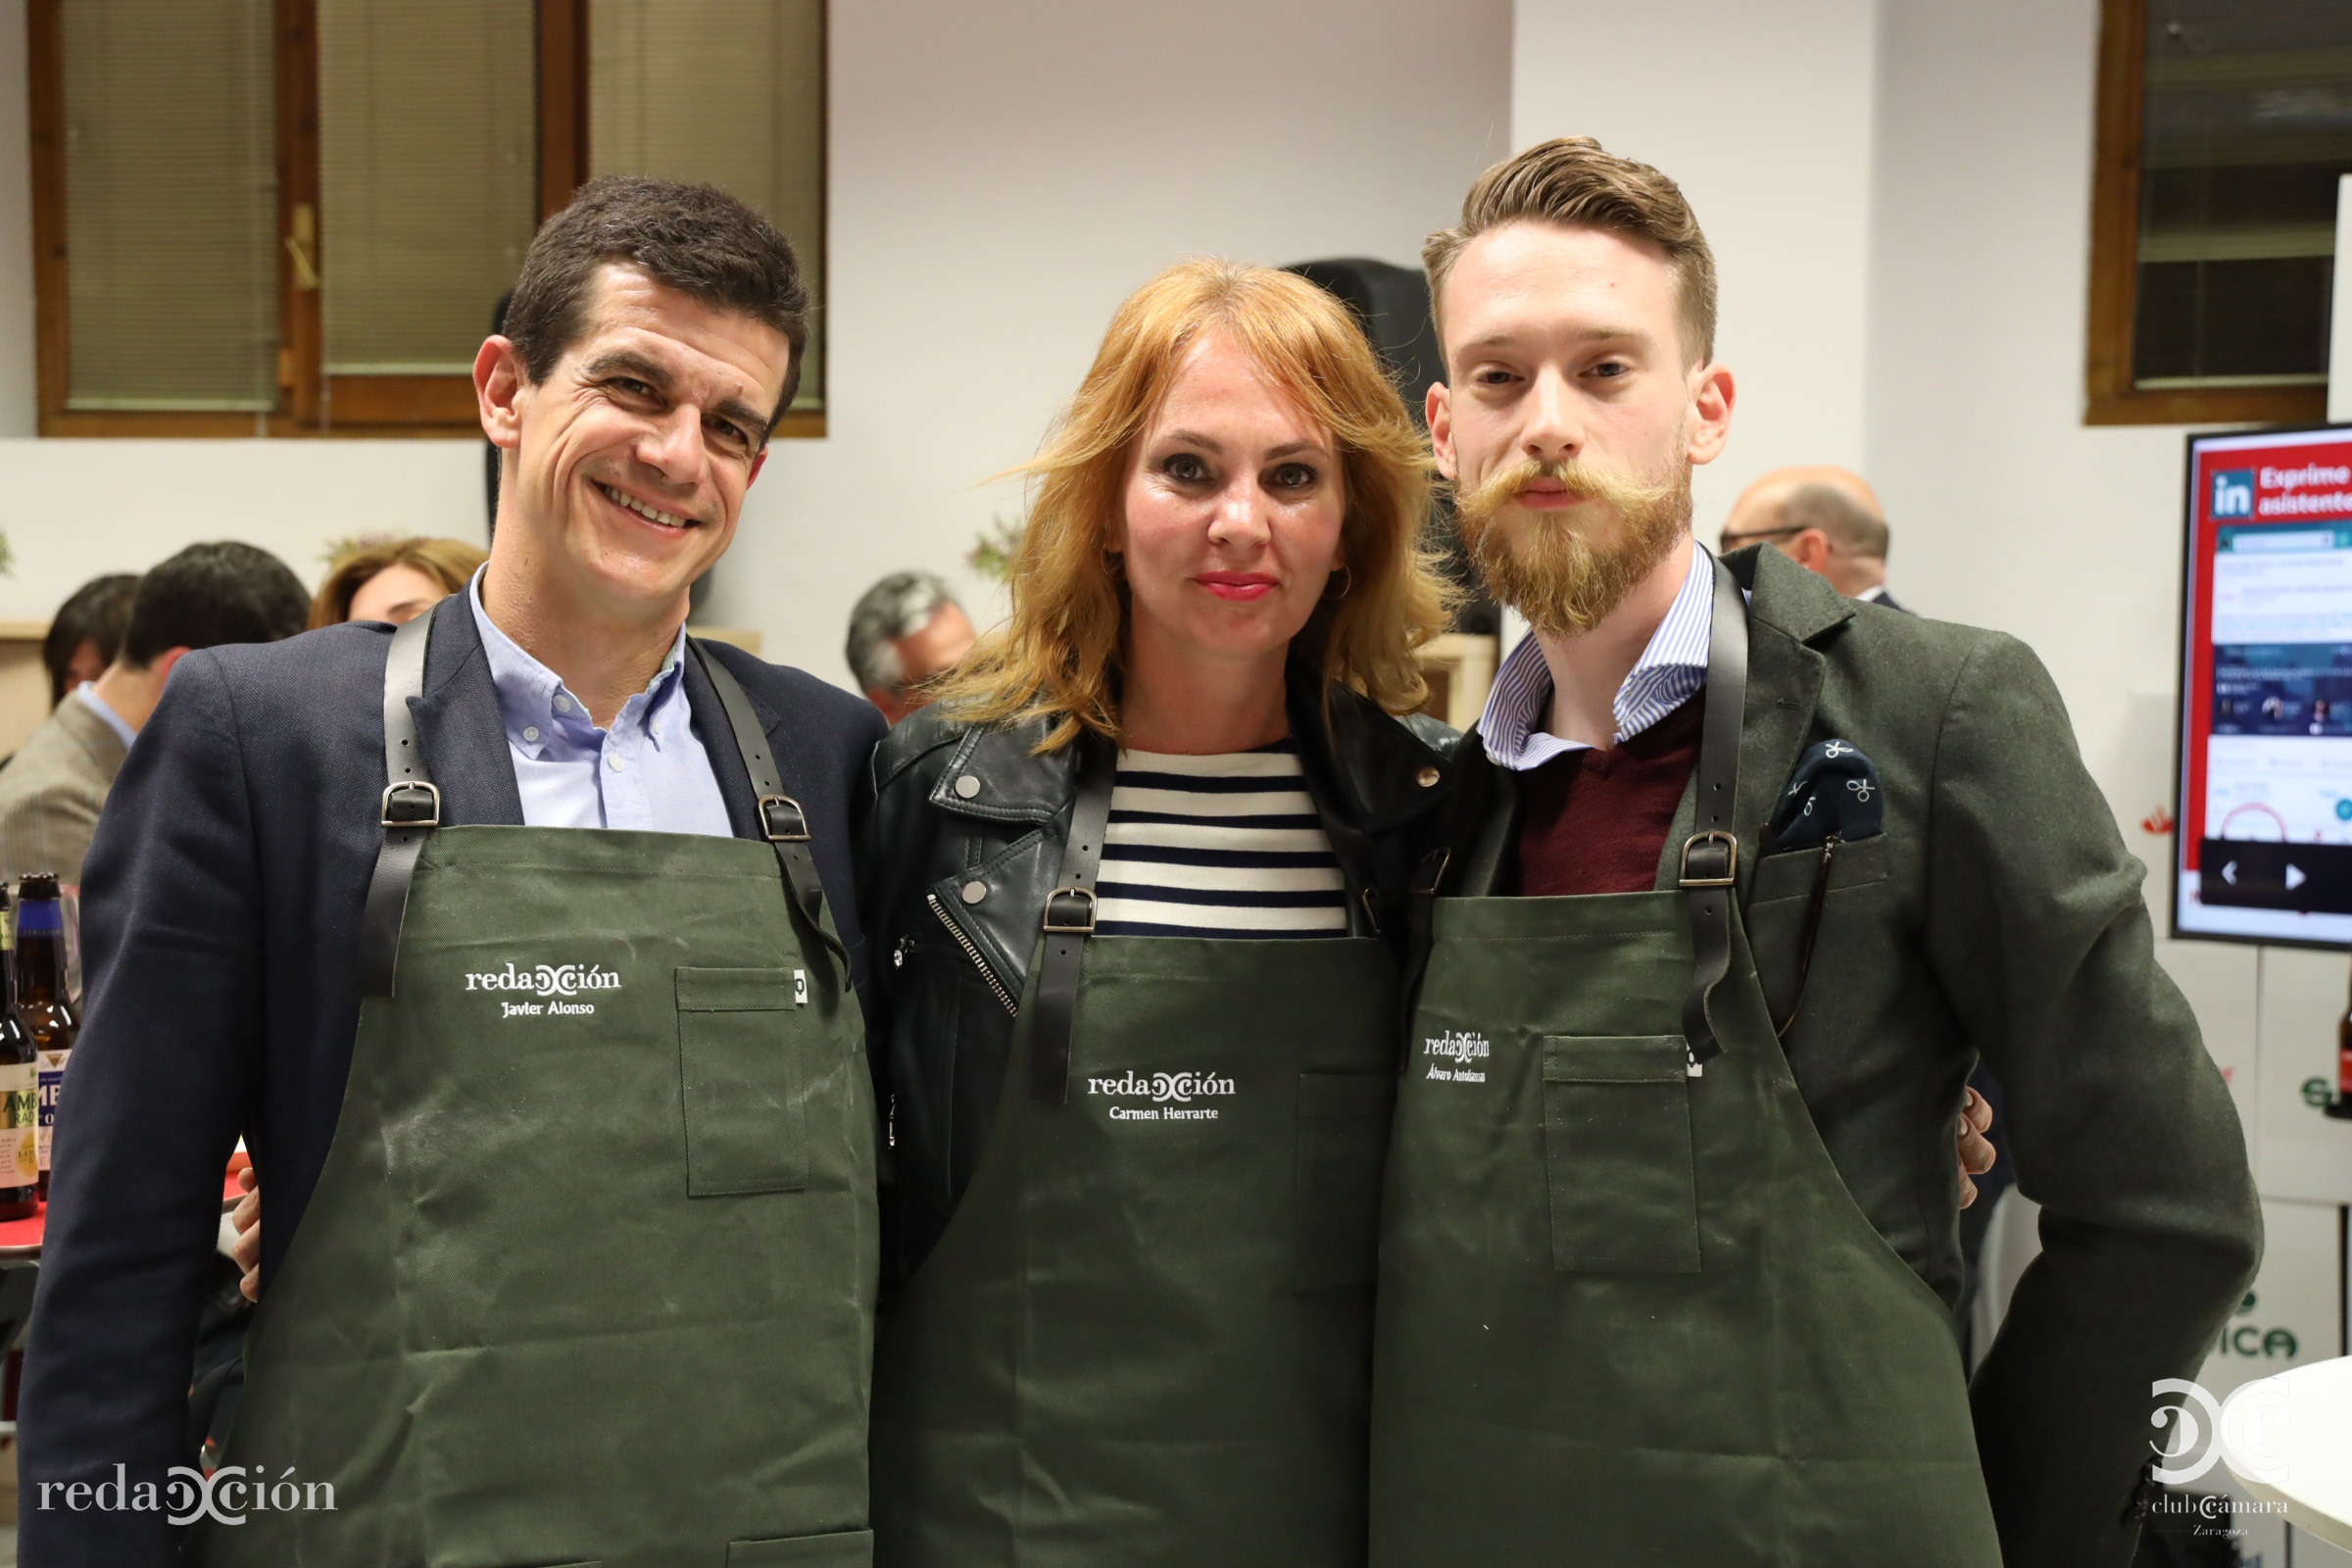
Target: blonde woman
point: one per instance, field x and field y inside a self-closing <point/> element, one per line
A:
<point x="1136" y="883"/>
<point x="393" y="579"/>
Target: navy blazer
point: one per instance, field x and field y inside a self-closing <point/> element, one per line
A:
<point x="221" y="917"/>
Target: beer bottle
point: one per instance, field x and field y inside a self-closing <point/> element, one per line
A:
<point x="20" y="1091"/>
<point x="41" y="1000"/>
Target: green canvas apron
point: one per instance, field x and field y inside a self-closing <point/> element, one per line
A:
<point x="1143" y="1336"/>
<point x="1628" y="1310"/>
<point x="587" y="1277"/>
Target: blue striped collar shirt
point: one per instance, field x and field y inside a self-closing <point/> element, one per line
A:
<point x="1669" y="671"/>
<point x="649" y="771"/>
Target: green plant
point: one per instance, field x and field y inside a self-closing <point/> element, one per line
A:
<point x="994" y="548"/>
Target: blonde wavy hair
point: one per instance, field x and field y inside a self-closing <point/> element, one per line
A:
<point x="448" y="562"/>
<point x="1059" y="655"/>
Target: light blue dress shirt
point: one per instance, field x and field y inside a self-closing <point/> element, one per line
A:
<point x="649" y="771"/>
<point x="87" y="693"/>
<point x="1662" y="679"/>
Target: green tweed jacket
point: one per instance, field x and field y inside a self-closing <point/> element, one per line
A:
<point x="1998" y="915"/>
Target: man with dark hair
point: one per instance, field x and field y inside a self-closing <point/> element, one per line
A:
<point x="1742" y="879"/>
<point x="518" y="944"/>
<point x="905" y="630"/>
<point x="695" y="240"/>
<point x="1825" y="519"/>
<point x="52" y="791"/>
<point x="87" y="633"/>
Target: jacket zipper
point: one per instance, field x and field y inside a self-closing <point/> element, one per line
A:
<point x="996" y="987"/>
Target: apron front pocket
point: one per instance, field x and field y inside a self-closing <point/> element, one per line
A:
<point x="846" y="1549"/>
<point x="1617" y="1156"/>
<point x="739" y="1078"/>
<point x="1342" y="1145"/>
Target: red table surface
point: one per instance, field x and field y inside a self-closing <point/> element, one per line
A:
<point x="21" y="1238"/>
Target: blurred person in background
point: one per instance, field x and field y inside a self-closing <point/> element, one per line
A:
<point x="393" y="580"/>
<point x="905" y="630"/>
<point x="52" y="791"/>
<point x="87" y="633"/>
<point x="1827" y="520"/>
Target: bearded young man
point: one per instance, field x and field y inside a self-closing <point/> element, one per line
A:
<point x="1745" y="877"/>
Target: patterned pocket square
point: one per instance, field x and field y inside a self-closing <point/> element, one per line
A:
<point x="1835" y="789"/>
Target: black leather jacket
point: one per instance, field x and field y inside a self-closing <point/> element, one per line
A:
<point x="962" y="847"/>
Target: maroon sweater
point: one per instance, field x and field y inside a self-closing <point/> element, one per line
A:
<point x="1597" y="821"/>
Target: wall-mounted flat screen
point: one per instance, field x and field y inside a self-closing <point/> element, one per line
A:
<point x="2263" y="850"/>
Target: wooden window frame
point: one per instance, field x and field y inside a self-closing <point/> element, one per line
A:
<point x="310" y="402"/>
<point x="2109" y="395"/>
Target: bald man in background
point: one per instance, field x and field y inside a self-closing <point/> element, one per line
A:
<point x="1827" y="520"/>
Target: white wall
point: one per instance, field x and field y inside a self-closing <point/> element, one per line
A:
<point x="2009" y="512"/>
<point x="75" y="509"/>
<point x="1762" y="113"/>
<point x="997" y="186"/>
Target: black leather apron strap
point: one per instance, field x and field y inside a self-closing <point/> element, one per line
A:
<point x="781" y="820"/>
<point x="1710" y="860"/>
<point x="1069" y="922"/>
<point x="411" y="810"/>
<point x="1421" y="914"/>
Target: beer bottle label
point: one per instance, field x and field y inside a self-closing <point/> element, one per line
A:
<point x="19" y="1124"/>
<point x="53" y="1075"/>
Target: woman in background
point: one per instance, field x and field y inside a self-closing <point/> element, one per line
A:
<point x="1135" y="883"/>
<point x="394" y="579"/>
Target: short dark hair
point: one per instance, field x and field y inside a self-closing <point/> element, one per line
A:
<point x="694" y="238"/>
<point x="97" y="614"/>
<point x="211" y="594"/>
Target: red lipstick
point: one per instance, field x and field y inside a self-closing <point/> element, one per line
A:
<point x="1236" y="586"/>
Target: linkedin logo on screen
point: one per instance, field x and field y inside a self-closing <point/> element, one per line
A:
<point x="2233" y="493"/>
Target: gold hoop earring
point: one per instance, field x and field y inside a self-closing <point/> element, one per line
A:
<point x="1346" y="588"/>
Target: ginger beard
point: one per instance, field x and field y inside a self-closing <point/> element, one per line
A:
<point x="1549" y="566"/>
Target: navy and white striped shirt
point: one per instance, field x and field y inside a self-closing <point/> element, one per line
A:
<point x="1226" y="845"/>
<point x="1669" y="671"/>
